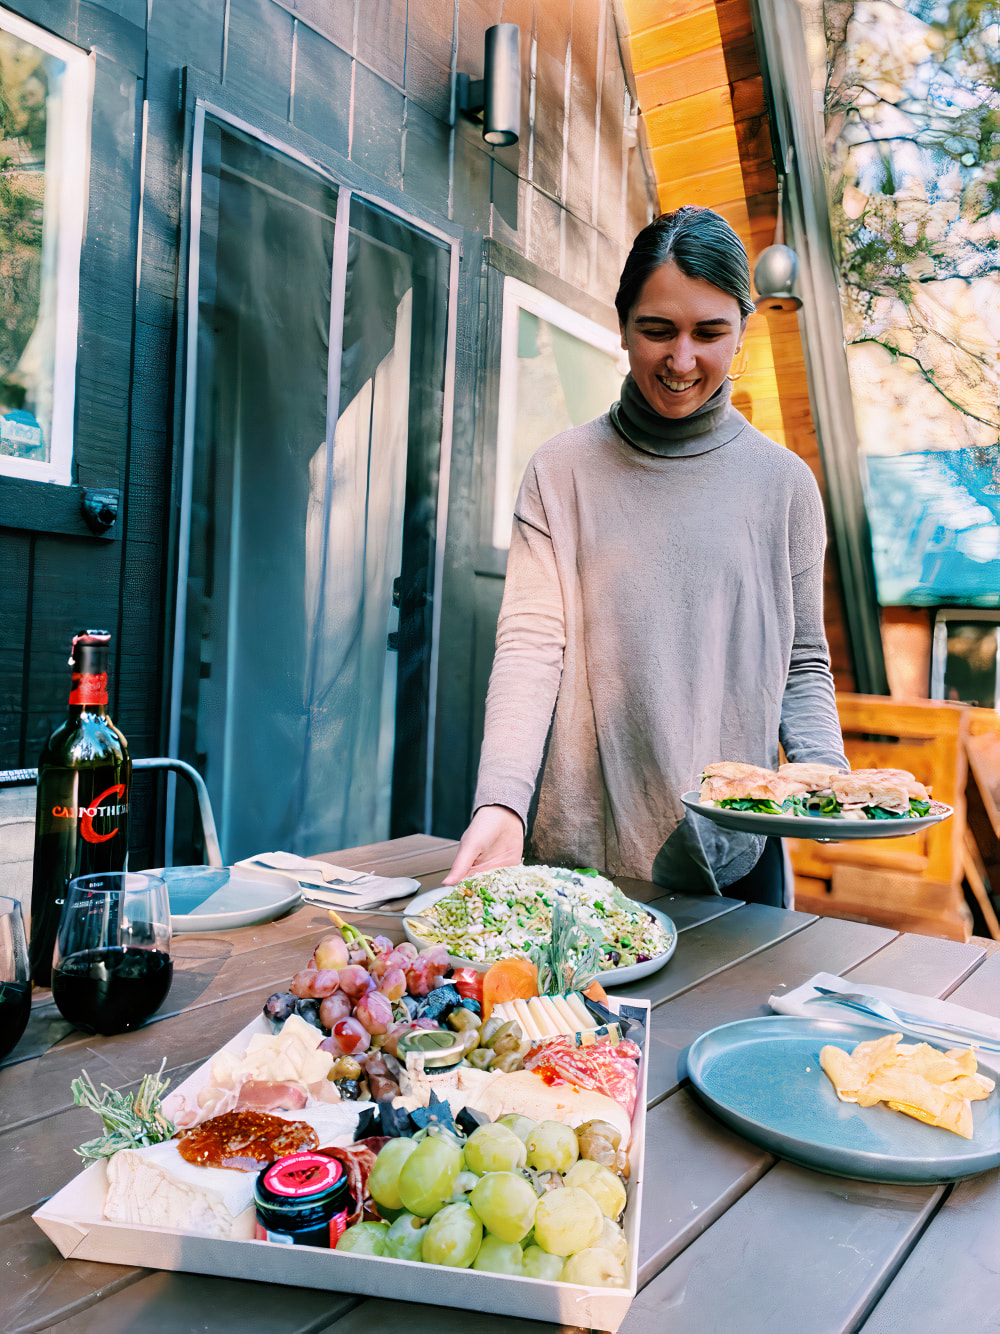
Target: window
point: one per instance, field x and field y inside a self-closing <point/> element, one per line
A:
<point x="557" y="369"/>
<point x="964" y="657"/>
<point x="44" y="113"/>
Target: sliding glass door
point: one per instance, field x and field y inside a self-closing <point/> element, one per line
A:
<point x="315" y="423"/>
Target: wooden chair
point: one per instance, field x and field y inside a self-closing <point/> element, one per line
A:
<point x="912" y="883"/>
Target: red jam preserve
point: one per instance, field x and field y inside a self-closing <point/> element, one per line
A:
<point x="302" y="1200"/>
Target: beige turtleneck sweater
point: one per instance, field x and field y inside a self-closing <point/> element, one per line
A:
<point x="662" y="610"/>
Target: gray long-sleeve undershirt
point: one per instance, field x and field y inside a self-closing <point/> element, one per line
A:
<point x="661" y="612"/>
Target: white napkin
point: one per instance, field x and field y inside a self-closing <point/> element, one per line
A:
<point x="339" y="884"/>
<point x="927" y="1007"/>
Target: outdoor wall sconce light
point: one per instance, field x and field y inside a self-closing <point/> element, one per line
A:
<point x="496" y="97"/>
<point x="774" y="277"/>
<point x="777" y="267"/>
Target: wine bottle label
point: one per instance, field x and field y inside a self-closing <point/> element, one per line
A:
<point x="89" y="688"/>
<point x="102" y="805"/>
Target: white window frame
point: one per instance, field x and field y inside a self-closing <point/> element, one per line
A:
<point x="518" y="296"/>
<point x="74" y="150"/>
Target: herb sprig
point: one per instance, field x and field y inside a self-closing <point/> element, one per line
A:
<point x="131" y="1120"/>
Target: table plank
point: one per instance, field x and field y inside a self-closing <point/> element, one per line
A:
<point x="378" y="1316"/>
<point x="688" y="910"/>
<point x="921" y="964"/>
<point x="799" y="1252"/>
<point x="38" y="1287"/>
<point x="742" y="990"/>
<point x="981" y="991"/>
<point x="163" y="1303"/>
<point x="695" y="1169"/>
<point x="951" y="1278"/>
<point x="714" y="946"/>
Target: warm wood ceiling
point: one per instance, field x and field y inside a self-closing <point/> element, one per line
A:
<point x="701" y="95"/>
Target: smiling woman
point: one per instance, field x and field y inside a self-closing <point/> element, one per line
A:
<point x="663" y="605"/>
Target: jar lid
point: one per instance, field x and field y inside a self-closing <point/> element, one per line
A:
<point x="300" y="1176"/>
<point x="438" y="1048"/>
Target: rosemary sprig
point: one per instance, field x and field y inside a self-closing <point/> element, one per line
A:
<point x="131" y="1120"/>
<point x="571" y="959"/>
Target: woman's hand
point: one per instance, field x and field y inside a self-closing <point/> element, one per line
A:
<point x="495" y="837"/>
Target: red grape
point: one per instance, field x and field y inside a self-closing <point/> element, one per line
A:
<point x="348" y="1037"/>
<point x="406" y="950"/>
<point x="393" y="984"/>
<point x="424" y="974"/>
<point x="302" y="984"/>
<point x="356" y="981"/>
<point x="331" y="952"/>
<point x="425" y="1023"/>
<point x="382" y="945"/>
<point x="374" y="1012"/>
<point x="325" y="981"/>
<point x="337" y="1006"/>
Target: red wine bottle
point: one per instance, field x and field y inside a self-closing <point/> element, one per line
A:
<point x="84" y="780"/>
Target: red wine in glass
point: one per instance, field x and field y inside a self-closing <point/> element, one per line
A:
<point x="112" y="967"/>
<point x="113" y="989"/>
<point x="15" y="989"/>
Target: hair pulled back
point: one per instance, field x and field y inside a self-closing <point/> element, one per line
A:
<point x="702" y="245"/>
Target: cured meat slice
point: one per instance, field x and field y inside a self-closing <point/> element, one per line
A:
<point x="244" y="1141"/>
<point x="605" y="1068"/>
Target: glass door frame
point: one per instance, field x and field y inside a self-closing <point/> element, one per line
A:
<point x="203" y="108"/>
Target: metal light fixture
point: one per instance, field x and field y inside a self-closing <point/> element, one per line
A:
<point x="777" y="268"/>
<point x="496" y="97"/>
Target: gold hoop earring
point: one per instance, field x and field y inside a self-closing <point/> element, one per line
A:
<point x="744" y="367"/>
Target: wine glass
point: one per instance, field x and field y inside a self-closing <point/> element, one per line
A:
<point x="112" y="966"/>
<point x="15" y="989"/>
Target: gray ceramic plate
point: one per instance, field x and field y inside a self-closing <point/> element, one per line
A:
<point x="763" y="1077"/>
<point x="818" y="827"/>
<point x="219" y="898"/>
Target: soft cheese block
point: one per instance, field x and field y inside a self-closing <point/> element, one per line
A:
<point x="156" y="1187"/>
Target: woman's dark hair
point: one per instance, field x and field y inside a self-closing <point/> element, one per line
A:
<point x="701" y="243"/>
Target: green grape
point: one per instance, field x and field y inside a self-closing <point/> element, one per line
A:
<point x="567" y="1220"/>
<point x="364" y="1239"/>
<point x="494" y="1148"/>
<point x="453" y="1237"/>
<point x="464" y="1182"/>
<point x="552" y="1147"/>
<point x="537" y="1263"/>
<point x="405" y="1238"/>
<point x="427" y="1178"/>
<point x="600" y="1182"/>
<point x="499" y="1257"/>
<point x="506" y="1204"/>
<point x="383" y="1183"/>
<point x="522" y="1126"/>
<point x="612" y="1239"/>
<point x="595" y="1267"/>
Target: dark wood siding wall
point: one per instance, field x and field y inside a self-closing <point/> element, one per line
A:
<point x="366" y="87"/>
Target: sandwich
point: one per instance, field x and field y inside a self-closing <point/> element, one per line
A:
<point x="810" y="777"/>
<point x="877" y="794"/>
<point x="746" y="787"/>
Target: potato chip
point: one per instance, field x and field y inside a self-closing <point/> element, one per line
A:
<point x="848" y="1071"/>
<point x="932" y="1086"/>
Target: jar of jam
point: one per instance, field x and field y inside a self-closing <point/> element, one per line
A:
<point x="302" y="1200"/>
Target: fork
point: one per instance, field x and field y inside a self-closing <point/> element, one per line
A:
<point x="315" y="901"/>
<point x="880" y="1009"/>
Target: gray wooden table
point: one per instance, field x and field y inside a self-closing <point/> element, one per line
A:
<point x="732" y="1240"/>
